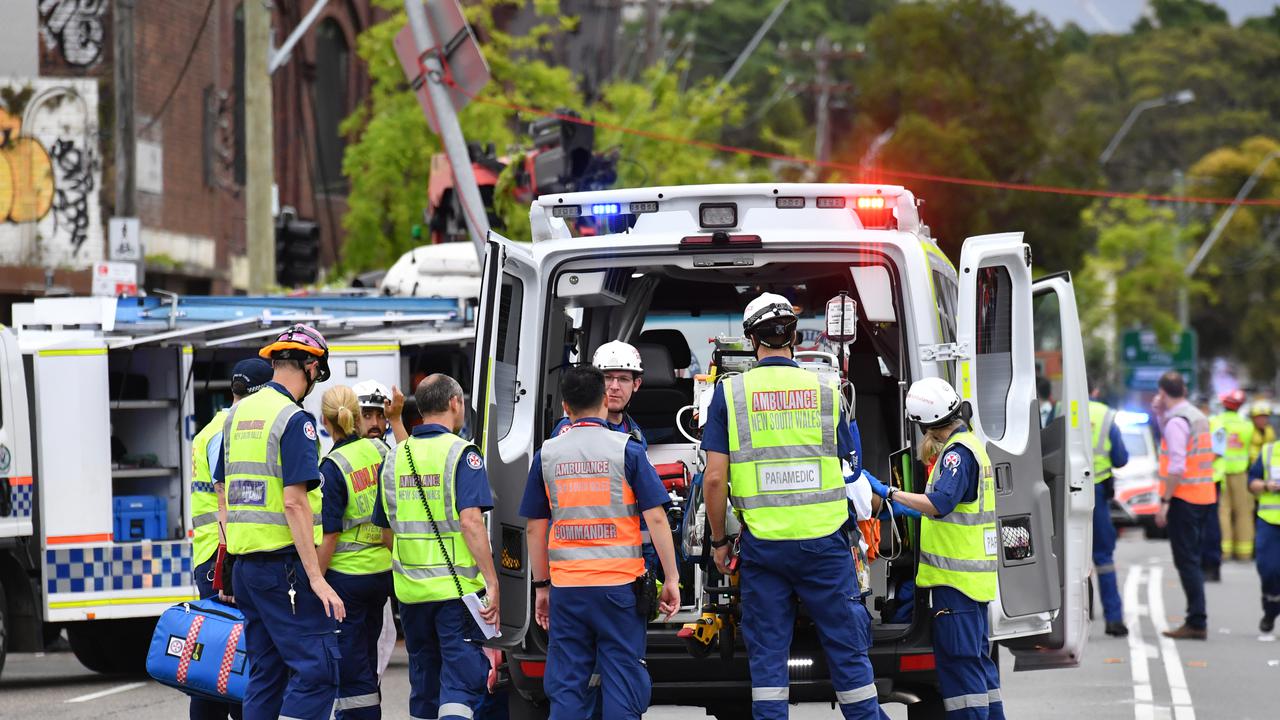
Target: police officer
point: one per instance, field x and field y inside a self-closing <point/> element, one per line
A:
<point x="1235" y="504"/>
<point x="434" y="494"/>
<point x="208" y="504"/>
<point x="957" y="550"/>
<point x="623" y="374"/>
<point x="1264" y="482"/>
<point x="272" y="470"/>
<point x="374" y="399"/>
<point x="352" y="551"/>
<point x="777" y="434"/>
<point x="592" y="484"/>
<point x="1108" y="452"/>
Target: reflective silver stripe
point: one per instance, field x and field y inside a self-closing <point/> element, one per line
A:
<point x="390" y="485"/>
<point x="1268" y="506"/>
<point x="423" y="527"/>
<point x="415" y="717"/>
<point x="747" y="452"/>
<point x="856" y="695"/>
<point x="455" y="710"/>
<point x="606" y="552"/>
<point x="1104" y="432"/>
<point x="1105" y="569"/>
<point x="594" y="512"/>
<point x="351" y="547"/>
<point x="604" y="444"/>
<point x="962" y="518"/>
<point x="247" y="467"/>
<point x="993" y="696"/>
<point x="594" y="681"/>
<point x="792" y="499"/>
<point x="204" y="519"/>
<point x="765" y="694"/>
<point x="358" y="701"/>
<point x="946" y="563"/>
<point x="1271" y="598"/>
<point x="349" y="523"/>
<point x="344" y="465"/>
<point x="645" y="538"/>
<point x="960" y="702"/>
<point x="273" y="439"/>
<point x="257" y="517"/>
<point x="433" y="572"/>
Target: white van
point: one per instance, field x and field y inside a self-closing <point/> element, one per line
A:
<point x="664" y="268"/>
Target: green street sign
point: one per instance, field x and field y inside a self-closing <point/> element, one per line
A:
<point x="1145" y="359"/>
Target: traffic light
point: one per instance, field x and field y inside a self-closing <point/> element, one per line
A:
<point x="297" y="252"/>
<point x="562" y="153"/>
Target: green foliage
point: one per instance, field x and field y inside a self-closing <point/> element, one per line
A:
<point x="1181" y="13"/>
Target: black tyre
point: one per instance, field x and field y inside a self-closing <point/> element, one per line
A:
<point x="519" y="708"/>
<point x="929" y="708"/>
<point x="112" y="647"/>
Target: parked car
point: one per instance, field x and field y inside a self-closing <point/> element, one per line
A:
<point x="1137" y="491"/>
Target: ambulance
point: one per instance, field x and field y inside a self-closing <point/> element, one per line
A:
<point x="99" y="401"/>
<point x="670" y="269"/>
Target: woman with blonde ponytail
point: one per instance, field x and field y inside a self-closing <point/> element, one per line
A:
<point x="354" y="553"/>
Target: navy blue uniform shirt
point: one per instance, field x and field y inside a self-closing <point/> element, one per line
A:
<point x="299" y="456"/>
<point x="628" y="426"/>
<point x="1119" y="453"/>
<point x="639" y="472"/>
<point x="471" y="483"/>
<point x="1256" y="471"/>
<point x="957" y="481"/>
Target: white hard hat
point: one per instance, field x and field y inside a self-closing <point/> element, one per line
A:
<point x="1260" y="407"/>
<point x="768" y="306"/>
<point x="932" y="401"/>
<point x="371" y="394"/>
<point x="617" y="355"/>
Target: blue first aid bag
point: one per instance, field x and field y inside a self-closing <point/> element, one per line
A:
<point x="198" y="647"/>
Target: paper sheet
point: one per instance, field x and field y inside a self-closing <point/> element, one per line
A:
<point x="475" y="604"/>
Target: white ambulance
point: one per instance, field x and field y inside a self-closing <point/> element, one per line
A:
<point x="670" y="269"/>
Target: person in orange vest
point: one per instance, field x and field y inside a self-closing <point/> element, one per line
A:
<point x="1187" y="493"/>
<point x="591" y="485"/>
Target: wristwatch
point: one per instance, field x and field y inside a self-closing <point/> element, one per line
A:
<point x="717" y="544"/>
<point x="892" y="491"/>
<point x="539" y="584"/>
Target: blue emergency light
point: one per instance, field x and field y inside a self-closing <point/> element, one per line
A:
<point x="1128" y="417"/>
<point x="605" y="209"/>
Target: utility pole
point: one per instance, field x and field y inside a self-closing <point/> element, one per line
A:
<point x="652" y="32"/>
<point x="259" y="147"/>
<point x="1181" y="211"/>
<point x="822" y="113"/>
<point x="125" y="140"/>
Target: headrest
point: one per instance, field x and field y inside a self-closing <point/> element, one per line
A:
<point x="658" y="370"/>
<point x="675" y="343"/>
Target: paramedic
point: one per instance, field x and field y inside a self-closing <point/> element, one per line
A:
<point x="1108" y="452"/>
<point x="592" y="484"/>
<point x="1235" y="504"/>
<point x="434" y="493"/>
<point x="209" y="504"/>
<point x="373" y="397"/>
<point x="272" y="470"/>
<point x="356" y="561"/>
<point x="777" y="435"/>
<point x="1264" y="481"/>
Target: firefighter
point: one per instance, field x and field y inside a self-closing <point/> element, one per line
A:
<point x="1235" y="504"/>
<point x="592" y="484"/>
<point x="434" y="493"/>
<point x="272" y="471"/>
<point x="777" y="435"/>
<point x="374" y="398"/>
<point x="209" y="504"/>
<point x="356" y="561"/>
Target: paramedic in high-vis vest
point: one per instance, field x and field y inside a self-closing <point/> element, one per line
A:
<point x="208" y="504"/>
<point x="588" y="488"/>
<point x="1187" y="494"/>
<point x="272" y="470"/>
<point x="1264" y="482"/>
<point x="353" y="554"/>
<point x="958" y="545"/>
<point x="434" y="493"/>
<point x="775" y="437"/>
<point x="1109" y="452"/>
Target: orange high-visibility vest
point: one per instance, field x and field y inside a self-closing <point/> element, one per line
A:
<point x="1197" y="486"/>
<point x="595" y="519"/>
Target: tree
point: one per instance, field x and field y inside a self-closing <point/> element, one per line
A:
<point x="1180" y="13"/>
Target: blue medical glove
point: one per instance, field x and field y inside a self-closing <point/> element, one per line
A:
<point x="877" y="487"/>
<point x="902" y="511"/>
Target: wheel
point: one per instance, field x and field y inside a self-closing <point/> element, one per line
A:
<point x="4" y="638"/>
<point x="929" y="708"/>
<point x="112" y="647"/>
<point x="521" y="708"/>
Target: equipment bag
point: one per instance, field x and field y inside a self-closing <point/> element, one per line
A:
<point x="198" y="647"/>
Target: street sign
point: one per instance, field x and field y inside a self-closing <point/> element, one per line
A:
<point x="124" y="239"/>
<point x="115" y="278"/>
<point x="461" y="55"/>
<point x="1145" y="359"/>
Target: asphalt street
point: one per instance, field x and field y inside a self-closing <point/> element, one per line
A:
<point x="1233" y="675"/>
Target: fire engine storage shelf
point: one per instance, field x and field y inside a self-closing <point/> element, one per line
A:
<point x="146" y="430"/>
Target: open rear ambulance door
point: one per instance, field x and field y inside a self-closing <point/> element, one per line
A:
<point x="503" y="418"/>
<point x="994" y="334"/>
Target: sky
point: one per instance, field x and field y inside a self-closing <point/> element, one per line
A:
<point x="1119" y="15"/>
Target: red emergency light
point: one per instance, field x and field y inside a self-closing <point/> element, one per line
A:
<point x="875" y="212"/>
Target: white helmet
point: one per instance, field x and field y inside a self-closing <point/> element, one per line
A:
<point x="371" y="394"/>
<point x="1260" y="407"/>
<point x="617" y="355"/>
<point x="931" y="402"/>
<point x="770" y="315"/>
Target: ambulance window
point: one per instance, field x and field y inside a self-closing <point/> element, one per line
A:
<point x="506" y="354"/>
<point x="994" y="352"/>
<point x="945" y="292"/>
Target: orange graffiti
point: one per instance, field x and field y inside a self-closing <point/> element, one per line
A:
<point x="26" y="174"/>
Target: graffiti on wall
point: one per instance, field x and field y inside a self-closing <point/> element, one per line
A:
<point x="76" y="29"/>
<point x="50" y="173"/>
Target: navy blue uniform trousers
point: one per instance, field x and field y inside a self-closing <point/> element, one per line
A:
<point x="202" y="709"/>
<point x="1267" y="558"/>
<point x="448" y="670"/>
<point x="293" y="649"/>
<point x="968" y="677"/>
<point x="364" y="597"/>
<point x="1186" y="524"/>
<point x="820" y="573"/>
<point x="1104" y="548"/>
<point x="596" y="629"/>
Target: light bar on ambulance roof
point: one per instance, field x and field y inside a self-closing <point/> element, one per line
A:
<point x="875" y="212"/>
<point x="1128" y="417"/>
<point x="830" y="203"/>
<point x="789" y="203"/>
<point x="564" y="211"/>
<point x="606" y="209"/>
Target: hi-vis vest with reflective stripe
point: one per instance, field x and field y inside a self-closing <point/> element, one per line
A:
<point x="959" y="550"/>
<point x="1101" y="419"/>
<point x="1269" y="502"/>
<point x="1197" y="485"/>
<point x="360" y="550"/>
<point x="784" y="470"/>
<point x="204" y="501"/>
<point x="595" y="519"/>
<point x="254" y="477"/>
<point x="418" y="567"/>
<point x="1239" y="430"/>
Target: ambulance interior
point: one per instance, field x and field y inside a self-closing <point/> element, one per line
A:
<point x="673" y="314"/>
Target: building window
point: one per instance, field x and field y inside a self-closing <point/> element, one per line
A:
<point x="333" y="65"/>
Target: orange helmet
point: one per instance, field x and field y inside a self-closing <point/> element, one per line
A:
<point x="300" y="342"/>
<point x="1233" y="400"/>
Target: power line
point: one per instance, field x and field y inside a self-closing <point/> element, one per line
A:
<point x="195" y="43"/>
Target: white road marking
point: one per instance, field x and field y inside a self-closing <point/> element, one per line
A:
<point x="108" y="691"/>
<point x="1181" y="696"/>
<point x="1134" y="609"/>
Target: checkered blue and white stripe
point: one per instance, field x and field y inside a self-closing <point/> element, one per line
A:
<point x="132" y="566"/>
<point x="21" y="496"/>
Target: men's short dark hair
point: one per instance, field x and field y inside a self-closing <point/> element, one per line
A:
<point x="582" y="387"/>
<point x="434" y="392"/>
<point x="1044" y="388"/>
<point x="1172" y="384"/>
